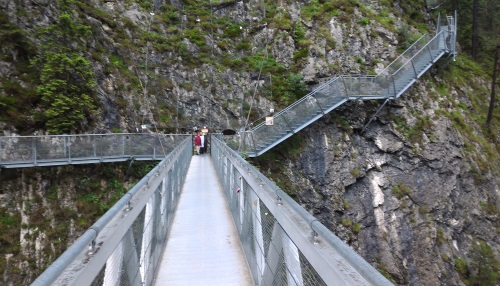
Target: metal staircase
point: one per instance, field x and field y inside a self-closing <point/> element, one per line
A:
<point x="388" y="84"/>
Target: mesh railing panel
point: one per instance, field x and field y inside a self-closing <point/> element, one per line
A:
<point x="17" y="151"/>
<point x="283" y="244"/>
<point x="128" y="240"/>
<point x="405" y="57"/>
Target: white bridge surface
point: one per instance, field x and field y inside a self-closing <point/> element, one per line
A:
<point x="203" y="246"/>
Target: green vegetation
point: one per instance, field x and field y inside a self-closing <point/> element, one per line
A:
<point x="93" y="189"/>
<point x="482" y="269"/>
<point x="465" y="72"/>
<point x="16" y="98"/>
<point x="414" y="132"/>
<point x="289" y="88"/>
<point x="54" y="86"/>
<point x="346" y="204"/>
<point x="356" y="228"/>
<point x="355" y="173"/>
<point x="440" y="236"/>
<point x="347" y="222"/>
<point x="66" y="78"/>
<point x="364" y="21"/>
<point x="10" y="233"/>
<point x="406" y="38"/>
<point x="66" y="87"/>
<point x="382" y="268"/>
<point x="400" y="190"/>
<point x="490" y="207"/>
<point x="461" y="267"/>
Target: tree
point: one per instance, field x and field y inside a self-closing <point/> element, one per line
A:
<point x="475" y="15"/>
<point x="483" y="267"/>
<point x="66" y="77"/>
<point x="496" y="67"/>
<point x="67" y="88"/>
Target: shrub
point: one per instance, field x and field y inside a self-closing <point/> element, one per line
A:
<point x="364" y="21"/>
<point x="439" y="236"/>
<point x="400" y="190"/>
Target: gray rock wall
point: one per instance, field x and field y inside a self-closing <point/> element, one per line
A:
<point x="410" y="208"/>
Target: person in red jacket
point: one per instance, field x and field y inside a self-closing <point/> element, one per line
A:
<point x="197" y="143"/>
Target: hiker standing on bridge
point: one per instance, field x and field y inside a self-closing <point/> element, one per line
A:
<point x="203" y="143"/>
<point x="197" y="143"/>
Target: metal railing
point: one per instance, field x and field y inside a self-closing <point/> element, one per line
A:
<point x="50" y="150"/>
<point x="124" y="246"/>
<point x="393" y="81"/>
<point x="283" y="243"/>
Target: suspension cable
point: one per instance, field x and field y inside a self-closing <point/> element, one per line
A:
<point x="144" y="90"/>
<point x="258" y="78"/>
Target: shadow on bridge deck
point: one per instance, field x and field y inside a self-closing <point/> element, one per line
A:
<point x="203" y="247"/>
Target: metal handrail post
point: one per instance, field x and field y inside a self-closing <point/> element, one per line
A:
<point x="359" y="85"/>
<point x="66" y="139"/>
<point x="94" y="146"/>
<point x="393" y="85"/>
<point x="33" y="150"/>
<point x="455" y="35"/>
<point x="154" y="148"/>
<point x="413" y="67"/>
<point x="337" y="89"/>
<point x="430" y="52"/>
<point x="288" y="124"/>
<point x="250" y="134"/>
<point x="439" y="24"/>
<point x="317" y="103"/>
<point x="100" y="148"/>
<point x="345" y="87"/>
<point x="123" y="145"/>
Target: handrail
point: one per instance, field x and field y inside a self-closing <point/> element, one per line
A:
<point x="118" y="212"/>
<point x="368" y="87"/>
<point x="316" y="242"/>
<point x="401" y="55"/>
<point x="299" y="101"/>
<point x="426" y="45"/>
<point x="51" y="150"/>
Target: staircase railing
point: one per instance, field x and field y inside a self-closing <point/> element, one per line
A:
<point x="393" y="81"/>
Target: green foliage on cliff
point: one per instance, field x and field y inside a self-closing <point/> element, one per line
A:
<point x="16" y="98"/>
<point x="66" y="202"/>
<point x="66" y="88"/>
<point x="67" y="84"/>
<point x="483" y="268"/>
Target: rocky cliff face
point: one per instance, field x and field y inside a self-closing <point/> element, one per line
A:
<point x="414" y="209"/>
<point x="44" y="210"/>
<point x="416" y="194"/>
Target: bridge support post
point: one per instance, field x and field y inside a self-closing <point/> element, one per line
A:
<point x="33" y="147"/>
<point x="376" y="113"/>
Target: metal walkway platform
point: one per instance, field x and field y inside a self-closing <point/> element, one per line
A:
<point x="203" y="247"/>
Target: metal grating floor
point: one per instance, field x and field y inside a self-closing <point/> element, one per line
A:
<point x="203" y="247"/>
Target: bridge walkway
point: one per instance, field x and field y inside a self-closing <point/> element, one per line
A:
<point x="203" y="246"/>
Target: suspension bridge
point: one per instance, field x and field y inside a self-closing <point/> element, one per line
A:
<point x="214" y="219"/>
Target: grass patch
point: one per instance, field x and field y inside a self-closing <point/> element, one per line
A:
<point x="400" y="190"/>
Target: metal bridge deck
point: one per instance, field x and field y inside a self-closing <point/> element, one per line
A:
<point x="203" y="246"/>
